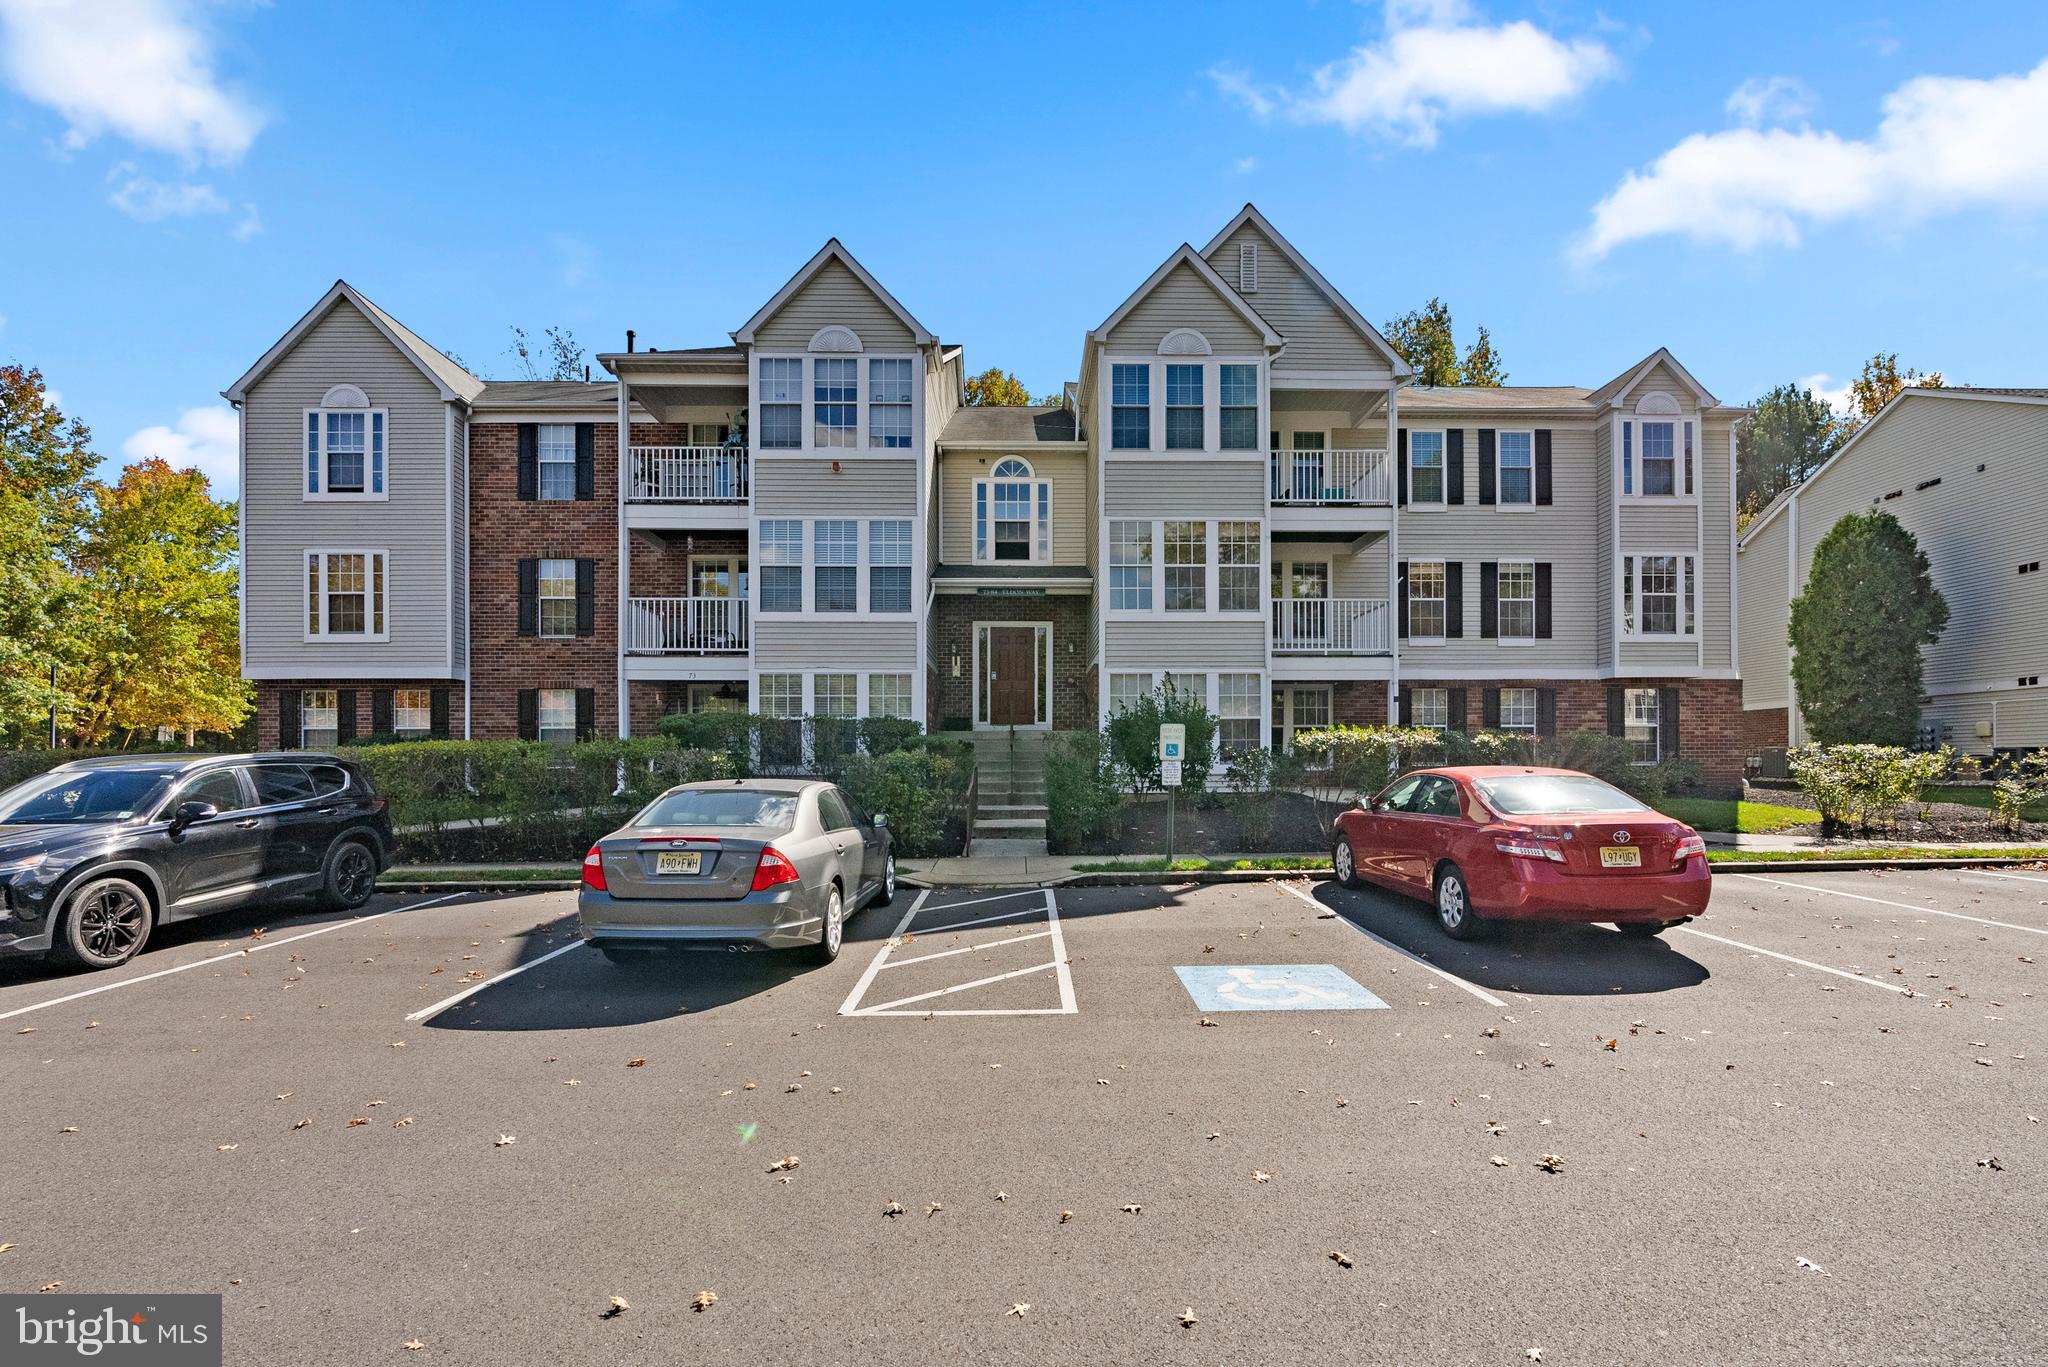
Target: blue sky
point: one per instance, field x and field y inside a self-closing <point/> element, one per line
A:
<point x="1774" y="191"/>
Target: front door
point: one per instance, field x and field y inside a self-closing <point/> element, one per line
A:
<point x="1012" y="676"/>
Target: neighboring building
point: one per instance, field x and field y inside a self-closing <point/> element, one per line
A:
<point x="1956" y="467"/>
<point x="1242" y="492"/>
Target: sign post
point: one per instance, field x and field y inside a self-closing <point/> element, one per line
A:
<point x="1173" y="741"/>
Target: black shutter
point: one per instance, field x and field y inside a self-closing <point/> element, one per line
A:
<point x="529" y="714"/>
<point x="586" y="597"/>
<point x="344" y="716"/>
<point x="529" y="598"/>
<point x="1401" y="476"/>
<point x="1667" y="723"/>
<point x="1543" y="466"/>
<point x="586" y="714"/>
<point x="380" y="712"/>
<point x="1489" y="599"/>
<point x="437" y="717"/>
<point x="586" y="460"/>
<point x="1454" y="465"/>
<point x="1546" y="711"/>
<point x="1454" y="599"/>
<point x="1617" y="711"/>
<point x="1455" y="712"/>
<point x="1489" y="708"/>
<point x="1401" y="704"/>
<point x="1401" y="598"/>
<point x="1543" y="600"/>
<point x="1486" y="460"/>
<point x="529" y="462"/>
<point x="288" y="731"/>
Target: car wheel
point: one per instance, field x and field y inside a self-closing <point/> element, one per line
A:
<point x="1454" y="905"/>
<point x="885" y="892"/>
<point x="827" y="948"/>
<point x="1343" y="863"/>
<point x="1643" y="930"/>
<point x="349" y="876"/>
<point x="107" y="923"/>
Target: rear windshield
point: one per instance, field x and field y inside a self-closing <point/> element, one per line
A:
<point x="1559" y="794"/>
<point x="721" y="807"/>
<point x="80" y="796"/>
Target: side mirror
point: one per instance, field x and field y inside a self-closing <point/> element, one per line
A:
<point x="881" y="821"/>
<point x="1377" y="805"/>
<point x="190" y="812"/>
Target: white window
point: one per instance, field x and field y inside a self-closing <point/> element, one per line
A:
<point x="1186" y="685"/>
<point x="1187" y="566"/>
<point x="835" y="695"/>
<point x="1238" y="407"/>
<point x="1426" y="600"/>
<point x="1517" y="461"/>
<point x="889" y="565"/>
<point x="1127" y="690"/>
<point x="782" y="403"/>
<point x="412" y="711"/>
<point x="1299" y="709"/>
<point x="345" y="453"/>
<point x="1516" y="595"/>
<point x="1425" y="467"/>
<point x="889" y="403"/>
<point x="835" y="573"/>
<point x="557" y="446"/>
<point x="557" y="598"/>
<point x="1237" y="711"/>
<point x="1130" y="566"/>
<point x="1658" y="596"/>
<point x="1184" y="425"/>
<point x="1518" y="710"/>
<point x="888" y="695"/>
<point x="1429" y="707"/>
<point x="782" y="565"/>
<point x="835" y="401"/>
<point x="782" y="695"/>
<point x="1012" y="515"/>
<point x="319" y="719"/>
<point x="1237" y="566"/>
<point x="1130" y="407"/>
<point x="345" y="595"/>
<point x="1642" y="714"/>
<point x="558" y="714"/>
<point x="1660" y="458"/>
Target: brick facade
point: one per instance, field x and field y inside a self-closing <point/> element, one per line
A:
<point x="269" y="709"/>
<point x="1764" y="726"/>
<point x="952" y="635"/>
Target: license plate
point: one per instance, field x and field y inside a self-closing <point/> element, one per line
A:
<point x="689" y="861"/>
<point x="1620" y="857"/>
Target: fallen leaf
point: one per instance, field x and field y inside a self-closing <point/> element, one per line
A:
<point x="5" y="1247"/>
<point x="1812" y="1266"/>
<point x="1533" y="1354"/>
<point x="1551" y="1162"/>
<point x="1258" y="1176"/>
<point x="226" y="1148"/>
<point x="1206" y="1021"/>
<point x="1339" y="1257"/>
<point x="1102" y="1082"/>
<point x="69" y="1129"/>
<point x="636" y="1063"/>
<point x="572" y="1082"/>
<point x="1491" y="1032"/>
<point x="1131" y="1209"/>
<point x="837" y="1090"/>
<point x="1498" y="1161"/>
<point x="794" y="1087"/>
<point x="1018" y="1309"/>
<point x="505" y="1139"/>
<point x="1208" y="949"/>
<point x="282" y="1096"/>
<point x="26" y="1030"/>
<point x="1187" y="1318"/>
<point x="1991" y="1163"/>
<point x="1611" y="1045"/>
<point x="785" y="1164"/>
<point x="892" y="1210"/>
<point x="375" y="1103"/>
<point x="746" y="1086"/>
<point x="50" y="1286"/>
<point x="619" y="1306"/>
<point x="414" y="1345"/>
<point x="933" y="1209"/>
<point x="401" y="1122"/>
<point x="703" y="1301"/>
<point x="1066" y="1215"/>
<point x="301" y="1124"/>
<point x="360" y="1120"/>
<point x="1002" y="1196"/>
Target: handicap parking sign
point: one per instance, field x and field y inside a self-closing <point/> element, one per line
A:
<point x="1275" y="987"/>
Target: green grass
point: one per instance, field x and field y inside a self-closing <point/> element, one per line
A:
<point x="1891" y="852"/>
<point x="1978" y="797"/>
<point x="1742" y="818"/>
<point x="1271" y="863"/>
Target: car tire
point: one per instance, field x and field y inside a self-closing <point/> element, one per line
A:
<point x="106" y="923"/>
<point x="833" y="932"/>
<point x="885" y="891"/>
<point x="1344" y="864"/>
<point x="1643" y="930"/>
<point x="1454" y="911"/>
<point x="348" y="876"/>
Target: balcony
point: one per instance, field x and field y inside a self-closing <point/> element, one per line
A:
<point x="1317" y="479"/>
<point x="687" y="474"/>
<point x="1332" y="626"/>
<point x="686" y="626"/>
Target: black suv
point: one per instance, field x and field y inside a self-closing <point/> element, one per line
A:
<point x="96" y="852"/>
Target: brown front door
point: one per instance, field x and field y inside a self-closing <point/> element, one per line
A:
<point x="1012" y="676"/>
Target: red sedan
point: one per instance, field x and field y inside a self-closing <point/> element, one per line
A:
<point x="1516" y="844"/>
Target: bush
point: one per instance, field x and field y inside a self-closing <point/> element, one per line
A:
<point x="2022" y="781"/>
<point x="1084" y="789"/>
<point x="1250" y="776"/>
<point x="1857" y="785"/>
<point x="1134" y="739"/>
<point x="918" y="789"/>
<point x="753" y="743"/>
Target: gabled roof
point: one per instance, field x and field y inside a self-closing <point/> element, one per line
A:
<point x="572" y="395"/>
<point x="1494" y="399"/>
<point x="1020" y="427"/>
<point x="1250" y="214"/>
<point x="1186" y="255"/>
<point x="1622" y="385"/>
<point x="455" y="383"/>
<point x="832" y="251"/>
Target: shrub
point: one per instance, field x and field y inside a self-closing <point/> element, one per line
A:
<point x="1249" y="774"/>
<point x="754" y="743"/>
<point x="2022" y="781"/>
<point x="1084" y="789"/>
<point x="1856" y="785"/>
<point x="1134" y="738"/>
<point x="918" y="789"/>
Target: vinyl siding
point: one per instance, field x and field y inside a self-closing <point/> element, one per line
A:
<point x="835" y="295"/>
<point x="2016" y="716"/>
<point x="1661" y="657"/>
<point x="1605" y="552"/>
<point x="1662" y="377"/>
<point x="1072" y="497"/>
<point x="1360" y="574"/>
<point x="1185" y="300"/>
<point x="834" y="647"/>
<point x="1212" y="487"/>
<point x="865" y="486"/>
<point x="1766" y="658"/>
<point x="1717" y="558"/>
<point x="1199" y="643"/>
<point x="281" y="525"/>
<point x="1659" y="529"/>
<point x="1319" y="337"/>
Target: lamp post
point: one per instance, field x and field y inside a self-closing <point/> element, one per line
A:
<point x="53" y="704"/>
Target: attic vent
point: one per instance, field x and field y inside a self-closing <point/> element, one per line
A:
<point x="345" y="396"/>
<point x="1657" y="404"/>
<point x="1184" y="342"/>
<point x="1247" y="268"/>
<point x="835" y="339"/>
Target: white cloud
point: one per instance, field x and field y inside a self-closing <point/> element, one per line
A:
<point x="140" y="69"/>
<point x="1244" y="166"/>
<point x="1945" y="145"/>
<point x="1770" y="99"/>
<point x="151" y="201"/>
<point x="250" y="225"/>
<point x="206" y="439"/>
<point x="1824" y="388"/>
<point x="1436" y="61"/>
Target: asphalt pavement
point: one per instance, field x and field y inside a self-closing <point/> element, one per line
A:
<point x="1802" y="1130"/>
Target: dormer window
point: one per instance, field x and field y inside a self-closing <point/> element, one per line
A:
<point x="345" y="452"/>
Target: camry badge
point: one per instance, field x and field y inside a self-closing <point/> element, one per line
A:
<point x="1622" y="837"/>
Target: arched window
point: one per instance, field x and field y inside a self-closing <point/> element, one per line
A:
<point x="1013" y="515"/>
<point x="345" y="446"/>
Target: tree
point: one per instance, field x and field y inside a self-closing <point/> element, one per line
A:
<point x="44" y="465"/>
<point x="560" y="354"/>
<point x="1425" y="340"/>
<point x="1880" y="382"/>
<point x="1482" y="363"/>
<point x="997" y="388"/>
<point x="1857" y="631"/>
<point x="1785" y="436"/>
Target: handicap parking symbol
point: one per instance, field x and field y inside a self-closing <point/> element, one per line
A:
<point x="1275" y="987"/>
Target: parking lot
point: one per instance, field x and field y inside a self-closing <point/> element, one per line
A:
<point x="1803" y="1129"/>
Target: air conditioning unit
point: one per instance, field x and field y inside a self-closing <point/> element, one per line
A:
<point x="1984" y="730"/>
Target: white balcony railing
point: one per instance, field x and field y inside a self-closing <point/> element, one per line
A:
<point x="687" y="474"/>
<point x="1318" y="477"/>
<point x="687" y="626"/>
<point x="1332" y="626"/>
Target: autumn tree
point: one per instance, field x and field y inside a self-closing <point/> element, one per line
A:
<point x="44" y="464"/>
<point x="996" y="388"/>
<point x="556" y="356"/>
<point x="1857" y="631"/>
<point x="1881" y="382"/>
<point x="1783" y="437"/>
<point x="1426" y="340"/>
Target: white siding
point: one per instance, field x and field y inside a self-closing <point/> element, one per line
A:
<point x="1072" y="498"/>
<point x="822" y="644"/>
<point x="1213" y="487"/>
<point x="835" y="295"/>
<point x="1183" y="299"/>
<point x="864" y="486"/>
<point x="1319" y="337"/>
<point x="1203" y="643"/>
<point x="1766" y="657"/>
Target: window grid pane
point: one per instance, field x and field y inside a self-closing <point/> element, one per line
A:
<point x="345" y="447"/>
<point x="1425" y="467"/>
<point x="347" y="587"/>
<point x="1130" y="421"/>
<point x="1237" y="566"/>
<point x="782" y="695"/>
<point x="1237" y="711"/>
<point x="557" y="445"/>
<point x="1517" y="466"/>
<point x="888" y="695"/>
<point x="1130" y="566"/>
<point x="1659" y="464"/>
<point x="1127" y="690"/>
<point x="1517" y="599"/>
<point x="1518" y="709"/>
<point x="557" y="598"/>
<point x="835" y="695"/>
<point x="782" y="562"/>
<point x="1643" y="718"/>
<point x="1429" y="706"/>
<point x="835" y="398"/>
<point x="781" y="397"/>
<point x="1426" y="582"/>
<point x="1184" y="408"/>
<point x="889" y="565"/>
<point x="558" y="714"/>
<point x="1187" y="566"/>
<point x="319" y="718"/>
<point x="1657" y="591"/>
<point x="412" y="711"/>
<point x="835" y="547"/>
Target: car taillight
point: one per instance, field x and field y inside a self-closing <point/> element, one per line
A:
<point x="1688" y="846"/>
<point x="774" y="868"/>
<point x="1524" y="846"/>
<point x="593" y="870"/>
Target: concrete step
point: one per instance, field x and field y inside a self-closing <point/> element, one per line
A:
<point x="1012" y="811"/>
<point x="1010" y="827"/>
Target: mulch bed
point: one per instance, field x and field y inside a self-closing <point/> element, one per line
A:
<point x="1931" y="821"/>
<point x="1211" y="826"/>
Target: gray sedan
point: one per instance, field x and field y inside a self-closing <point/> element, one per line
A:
<point x="747" y="864"/>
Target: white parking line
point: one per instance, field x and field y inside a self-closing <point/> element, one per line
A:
<point x="875" y="964"/>
<point x="1385" y="943"/>
<point x="223" y="958"/>
<point x="981" y="920"/>
<point x="1803" y="963"/>
<point x="438" y="1007"/>
<point x="886" y="1008"/>
<point x="967" y="949"/>
<point x="1059" y="967"/>
<point x="2015" y="877"/>
<point x="1887" y="902"/>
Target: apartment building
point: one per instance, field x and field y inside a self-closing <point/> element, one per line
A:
<point x="1243" y="492"/>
